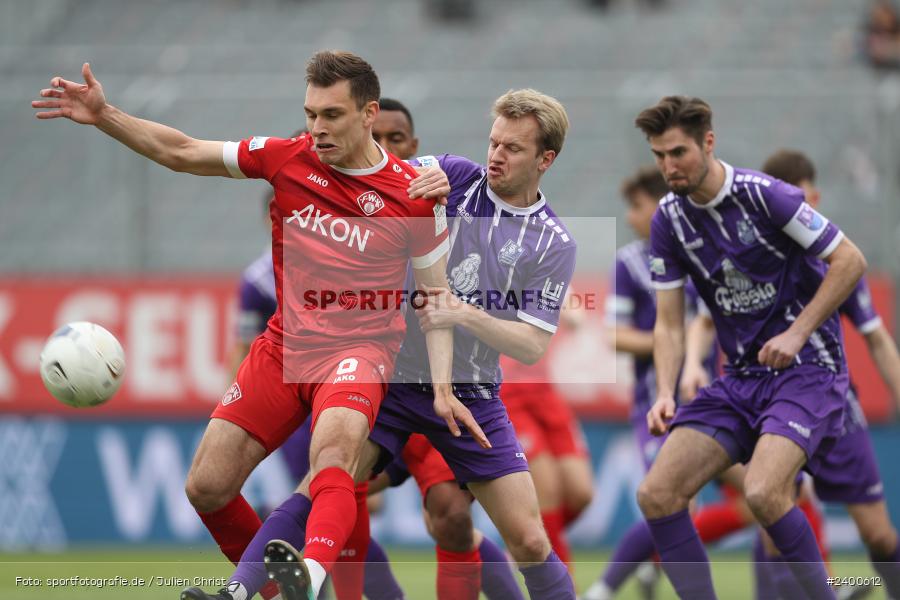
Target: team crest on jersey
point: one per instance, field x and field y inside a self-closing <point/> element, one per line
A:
<point x="370" y="203"/>
<point x="464" y="276"/>
<point x="232" y="395"/>
<point x="745" y="232"/>
<point x="510" y="253"/>
<point x="657" y="265"/>
<point x="257" y="143"/>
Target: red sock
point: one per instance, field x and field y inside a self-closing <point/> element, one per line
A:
<point x="233" y="527"/>
<point x="715" y="521"/>
<point x="332" y="518"/>
<point x="815" y="522"/>
<point x="569" y="515"/>
<point x="349" y="571"/>
<point x="458" y="574"/>
<point x="553" y="523"/>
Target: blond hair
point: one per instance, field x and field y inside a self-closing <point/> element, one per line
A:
<point x="549" y="112"/>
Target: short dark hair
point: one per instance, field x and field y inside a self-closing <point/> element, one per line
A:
<point x="692" y="115"/>
<point x="391" y="104"/>
<point x="328" y="67"/>
<point x="791" y="166"/>
<point x="647" y="179"/>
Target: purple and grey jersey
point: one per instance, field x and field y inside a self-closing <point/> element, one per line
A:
<point x="632" y="302"/>
<point x="752" y="254"/>
<point x="515" y="263"/>
<point x="257" y="301"/>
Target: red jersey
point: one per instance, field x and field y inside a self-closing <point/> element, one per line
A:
<point x="339" y="236"/>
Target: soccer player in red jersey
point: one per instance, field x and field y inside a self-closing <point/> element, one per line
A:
<point x="337" y="195"/>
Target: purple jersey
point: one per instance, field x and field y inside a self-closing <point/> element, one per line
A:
<point x="257" y="302"/>
<point x="515" y="263"/>
<point x="859" y="309"/>
<point x="752" y="254"/>
<point x="632" y="302"/>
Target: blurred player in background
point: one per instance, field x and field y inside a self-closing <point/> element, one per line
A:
<point x="260" y="411"/>
<point x="850" y="474"/>
<point x="498" y="245"/>
<point x="630" y="316"/>
<point x="554" y="443"/>
<point x="751" y="246"/>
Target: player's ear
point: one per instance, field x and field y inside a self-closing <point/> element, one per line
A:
<point x="370" y="112"/>
<point x="709" y="141"/>
<point x="547" y="158"/>
<point x="414" y="146"/>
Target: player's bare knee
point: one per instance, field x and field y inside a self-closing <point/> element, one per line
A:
<point x="659" y="500"/>
<point x="880" y="542"/>
<point x="208" y="494"/>
<point x="453" y="531"/>
<point x="768" y="503"/>
<point x="579" y="499"/>
<point x="530" y="546"/>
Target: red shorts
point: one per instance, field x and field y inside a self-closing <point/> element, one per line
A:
<point x="543" y="420"/>
<point x="425" y="463"/>
<point x="261" y="402"/>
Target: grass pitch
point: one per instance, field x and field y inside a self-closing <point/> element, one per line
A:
<point x="144" y="574"/>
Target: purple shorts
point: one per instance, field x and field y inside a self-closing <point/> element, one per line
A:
<point x="408" y="408"/>
<point x="849" y="473"/>
<point x="804" y="404"/>
<point x="648" y="444"/>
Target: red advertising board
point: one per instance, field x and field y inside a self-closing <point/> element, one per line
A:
<point x="176" y="332"/>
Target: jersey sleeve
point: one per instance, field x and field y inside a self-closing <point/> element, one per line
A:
<point x="620" y="300"/>
<point x="461" y="172"/>
<point x="800" y="221"/>
<point x="859" y="309"/>
<point x="666" y="268"/>
<point x="253" y="311"/>
<point x="545" y="289"/>
<point x="429" y="239"/>
<point x="256" y="157"/>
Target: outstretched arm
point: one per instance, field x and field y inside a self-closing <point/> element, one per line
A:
<point x="86" y="104"/>
<point x="883" y="351"/>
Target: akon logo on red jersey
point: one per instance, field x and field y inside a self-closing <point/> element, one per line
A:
<point x="336" y="228"/>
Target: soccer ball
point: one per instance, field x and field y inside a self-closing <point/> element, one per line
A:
<point x="82" y="364"/>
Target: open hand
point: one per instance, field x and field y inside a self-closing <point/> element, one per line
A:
<point x="82" y="103"/>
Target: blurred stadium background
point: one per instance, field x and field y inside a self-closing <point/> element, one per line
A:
<point x="90" y="231"/>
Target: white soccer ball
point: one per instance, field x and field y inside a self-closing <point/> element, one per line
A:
<point x="82" y="364"/>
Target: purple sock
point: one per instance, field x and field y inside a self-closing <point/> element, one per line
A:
<point x="549" y="580"/>
<point x="889" y="569"/>
<point x="784" y="581"/>
<point x="288" y="523"/>
<point x="765" y="588"/>
<point x="683" y="556"/>
<point x="635" y="547"/>
<point x="497" y="580"/>
<point x="380" y="583"/>
<point x="795" y="540"/>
